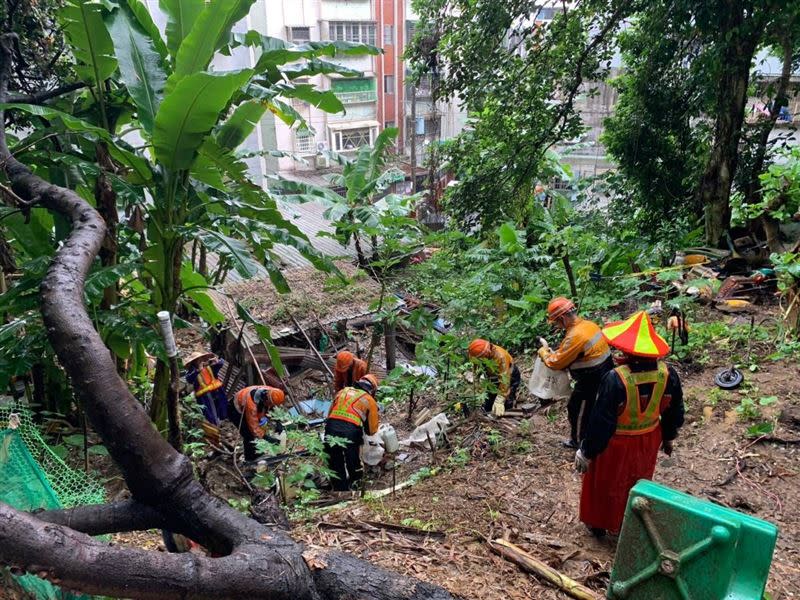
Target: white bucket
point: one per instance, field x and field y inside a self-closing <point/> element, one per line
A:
<point x="548" y="384"/>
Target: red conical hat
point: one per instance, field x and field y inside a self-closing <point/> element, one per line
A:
<point x="636" y="336"/>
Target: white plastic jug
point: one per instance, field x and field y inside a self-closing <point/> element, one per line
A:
<point x="548" y="384"/>
<point x="372" y="449"/>
<point x="389" y="435"/>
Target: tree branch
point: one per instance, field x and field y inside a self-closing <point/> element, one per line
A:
<point x="100" y="519"/>
<point x="74" y="560"/>
<point x="44" y="95"/>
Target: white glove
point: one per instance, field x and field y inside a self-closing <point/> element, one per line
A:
<point x="499" y="406"/>
<point x="581" y="462"/>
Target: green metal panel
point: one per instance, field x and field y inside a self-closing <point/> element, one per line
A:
<point x="353" y="85"/>
<point x="676" y="547"/>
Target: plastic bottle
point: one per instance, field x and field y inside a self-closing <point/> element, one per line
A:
<point x="390" y="442"/>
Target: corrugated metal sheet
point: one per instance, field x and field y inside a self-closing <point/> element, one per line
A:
<point x="309" y="218"/>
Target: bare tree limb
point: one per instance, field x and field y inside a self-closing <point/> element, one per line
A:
<point x="44" y="95"/>
<point x="99" y="519"/>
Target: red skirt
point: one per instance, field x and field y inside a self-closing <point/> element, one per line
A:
<point x="626" y="460"/>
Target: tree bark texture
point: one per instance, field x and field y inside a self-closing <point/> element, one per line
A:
<point x="106" y="201"/>
<point x="714" y="188"/>
<point x="257" y="562"/>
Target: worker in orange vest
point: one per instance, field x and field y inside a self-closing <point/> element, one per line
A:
<point x="586" y="354"/>
<point x="202" y="370"/>
<point x="348" y="370"/>
<point x="353" y="412"/>
<point x="248" y="409"/>
<point x="639" y="409"/>
<point x="502" y="373"/>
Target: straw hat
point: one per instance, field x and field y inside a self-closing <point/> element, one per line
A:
<point x="195" y="356"/>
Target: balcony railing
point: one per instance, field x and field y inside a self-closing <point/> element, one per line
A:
<point x="357" y="97"/>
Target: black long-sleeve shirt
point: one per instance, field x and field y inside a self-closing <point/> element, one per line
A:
<point x="611" y="399"/>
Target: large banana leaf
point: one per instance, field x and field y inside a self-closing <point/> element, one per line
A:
<point x="181" y="15"/>
<point x="125" y="157"/>
<point x="139" y="65"/>
<point x="236" y="251"/>
<point x="187" y="115"/>
<point x="195" y="288"/>
<point x="209" y="32"/>
<point x="286" y="113"/>
<point x="90" y="42"/>
<point x="275" y="51"/>
<point x="145" y="20"/>
<point x="240" y="124"/>
<point x="315" y="66"/>
<point x="323" y="100"/>
<point x="265" y="335"/>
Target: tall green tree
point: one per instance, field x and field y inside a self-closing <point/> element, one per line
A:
<point x="519" y="82"/>
<point x="677" y="129"/>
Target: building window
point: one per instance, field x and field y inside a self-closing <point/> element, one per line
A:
<point x="304" y="142"/>
<point x="299" y="35"/>
<point x="388" y="124"/>
<point x="353" y="31"/>
<point x="388" y="35"/>
<point x="545" y="13"/>
<point x="352" y="139"/>
<point x="388" y="84"/>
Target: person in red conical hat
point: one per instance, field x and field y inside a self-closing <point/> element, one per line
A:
<point x="639" y="409"/>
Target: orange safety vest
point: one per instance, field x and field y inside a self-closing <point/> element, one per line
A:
<point x="207" y="382"/>
<point x="241" y="397"/>
<point x="634" y="420"/>
<point x="344" y="406"/>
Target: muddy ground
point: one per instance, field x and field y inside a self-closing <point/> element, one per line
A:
<point x="523" y="488"/>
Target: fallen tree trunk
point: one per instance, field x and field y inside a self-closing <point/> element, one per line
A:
<point x="529" y="564"/>
<point x="256" y="562"/>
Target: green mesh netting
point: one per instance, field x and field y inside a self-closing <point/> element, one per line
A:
<point x="33" y="477"/>
<point x="71" y="487"/>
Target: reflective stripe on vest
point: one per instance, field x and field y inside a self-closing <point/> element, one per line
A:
<point x="590" y="362"/>
<point x="208" y="382"/>
<point x="632" y="420"/>
<point x="343" y="406"/>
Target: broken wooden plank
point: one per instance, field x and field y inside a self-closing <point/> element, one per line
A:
<point x="529" y="564"/>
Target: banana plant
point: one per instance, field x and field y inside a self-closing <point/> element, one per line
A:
<point x="365" y="209"/>
<point x="172" y="126"/>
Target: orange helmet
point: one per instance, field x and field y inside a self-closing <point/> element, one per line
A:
<point x="370" y="380"/>
<point x="270" y="396"/>
<point x="277" y="396"/>
<point x="344" y="360"/>
<point x="558" y="307"/>
<point x="479" y="348"/>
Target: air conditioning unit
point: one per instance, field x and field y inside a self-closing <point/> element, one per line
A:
<point x="322" y="162"/>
